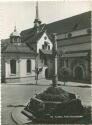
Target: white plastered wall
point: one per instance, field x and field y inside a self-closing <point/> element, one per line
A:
<point x="7" y="68"/>
<point x="41" y="42"/>
<point x="23" y="68"/>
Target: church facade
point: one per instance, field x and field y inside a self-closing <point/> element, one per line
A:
<point x="23" y="53"/>
<point x="74" y="47"/>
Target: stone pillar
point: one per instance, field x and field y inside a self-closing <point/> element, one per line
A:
<point x="18" y="67"/>
<point x="91" y="48"/>
<point x="55" y="78"/>
<point x="7" y="68"/>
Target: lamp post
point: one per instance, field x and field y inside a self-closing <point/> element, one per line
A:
<point x="55" y="77"/>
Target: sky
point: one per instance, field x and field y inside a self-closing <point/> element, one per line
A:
<point x="22" y="13"/>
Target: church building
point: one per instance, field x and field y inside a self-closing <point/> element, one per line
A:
<point x="23" y="53"/>
<point x="73" y="46"/>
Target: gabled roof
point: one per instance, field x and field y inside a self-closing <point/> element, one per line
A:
<point x="31" y="37"/>
<point x="31" y="32"/>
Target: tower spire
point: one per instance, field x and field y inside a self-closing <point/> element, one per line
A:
<point x="15" y="29"/>
<point x="37" y="21"/>
<point x="37" y="14"/>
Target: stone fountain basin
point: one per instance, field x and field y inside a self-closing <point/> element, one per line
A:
<point x="52" y="104"/>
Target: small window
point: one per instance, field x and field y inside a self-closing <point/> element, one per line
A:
<point x="42" y="46"/>
<point x="45" y="37"/>
<point x="13" y="66"/>
<point x="48" y="47"/>
<point x="45" y="43"/>
<point x="28" y="66"/>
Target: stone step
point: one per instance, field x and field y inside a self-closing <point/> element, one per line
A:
<point x="28" y="114"/>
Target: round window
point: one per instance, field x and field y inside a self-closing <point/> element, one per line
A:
<point x="45" y="37"/>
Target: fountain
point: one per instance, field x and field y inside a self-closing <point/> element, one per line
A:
<point x="54" y="105"/>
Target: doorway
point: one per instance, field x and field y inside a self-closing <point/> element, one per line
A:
<point x="78" y="73"/>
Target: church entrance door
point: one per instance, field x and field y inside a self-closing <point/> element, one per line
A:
<point x="78" y="73"/>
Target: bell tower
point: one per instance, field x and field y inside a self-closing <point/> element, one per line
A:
<point x="37" y="21"/>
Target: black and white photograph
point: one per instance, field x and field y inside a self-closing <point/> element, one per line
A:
<point x="46" y="62"/>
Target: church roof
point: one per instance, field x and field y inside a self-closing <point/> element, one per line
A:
<point x="32" y="31"/>
<point x="31" y="37"/>
<point x="73" y="23"/>
<point x="77" y="22"/>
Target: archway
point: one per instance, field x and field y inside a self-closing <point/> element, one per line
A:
<point x="78" y="73"/>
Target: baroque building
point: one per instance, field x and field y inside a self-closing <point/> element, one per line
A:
<point x="23" y="54"/>
<point x="17" y="60"/>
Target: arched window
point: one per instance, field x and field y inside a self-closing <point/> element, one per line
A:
<point x="13" y="66"/>
<point x="28" y="66"/>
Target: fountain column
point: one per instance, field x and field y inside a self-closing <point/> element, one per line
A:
<point x="55" y="77"/>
